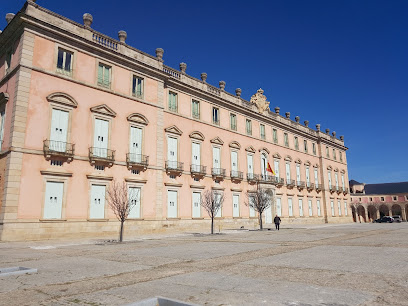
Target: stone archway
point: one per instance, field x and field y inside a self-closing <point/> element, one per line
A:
<point x="361" y="212"/>
<point x="384" y="211"/>
<point x="371" y="212"/>
<point x="396" y="210"/>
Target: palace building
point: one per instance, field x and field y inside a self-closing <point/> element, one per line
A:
<point x="80" y="109"/>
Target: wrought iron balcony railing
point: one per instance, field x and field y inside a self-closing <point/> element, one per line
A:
<point x="300" y="184"/>
<point x="198" y="169"/>
<point x="265" y="178"/>
<point x="251" y="177"/>
<point x="309" y="186"/>
<point x="101" y="154"/>
<point x="58" y="148"/>
<point x="332" y="189"/>
<point x="278" y="181"/>
<point x="345" y="190"/>
<point x="318" y="187"/>
<point x="137" y="160"/>
<point x="174" y="166"/>
<point x="290" y="183"/>
<point x="237" y="175"/>
<point x="218" y="172"/>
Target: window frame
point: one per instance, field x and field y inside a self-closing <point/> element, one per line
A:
<point x="233" y="127"/>
<point x="296" y="142"/>
<point x="193" y="115"/>
<point x="262" y="129"/>
<point x="286" y="139"/>
<point x="305" y="146"/>
<point x="215" y="118"/>
<point x="169" y="106"/>
<point x="105" y="66"/>
<point x="275" y="135"/>
<point x="248" y="127"/>
<point x="63" y="70"/>
<point x="134" y="94"/>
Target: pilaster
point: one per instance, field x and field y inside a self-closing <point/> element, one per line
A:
<point x="160" y="151"/>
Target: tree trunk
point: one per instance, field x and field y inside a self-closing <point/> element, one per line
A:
<point x="212" y="225"/>
<point x="260" y="221"/>
<point x="121" y="231"/>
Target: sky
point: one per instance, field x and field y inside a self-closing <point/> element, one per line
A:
<point x="343" y="64"/>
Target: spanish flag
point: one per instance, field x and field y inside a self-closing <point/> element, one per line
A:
<point x="269" y="169"/>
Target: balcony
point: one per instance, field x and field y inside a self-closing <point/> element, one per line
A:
<point x="318" y="188"/>
<point x="266" y="179"/>
<point x="310" y="186"/>
<point x="339" y="189"/>
<point x="174" y="167"/>
<point x="345" y="191"/>
<point x="278" y="181"/>
<point x="290" y="183"/>
<point x="332" y="189"/>
<point x="218" y="173"/>
<point x="197" y="170"/>
<point x="252" y="178"/>
<point x="102" y="156"/>
<point x="300" y="185"/>
<point x="58" y="149"/>
<point x="137" y="161"/>
<point x="236" y="175"/>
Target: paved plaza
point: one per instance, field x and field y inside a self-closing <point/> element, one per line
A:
<point x="352" y="264"/>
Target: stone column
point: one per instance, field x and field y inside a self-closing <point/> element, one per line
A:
<point x="390" y="212"/>
<point x="403" y="214"/>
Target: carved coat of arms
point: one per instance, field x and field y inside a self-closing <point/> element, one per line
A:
<point x="260" y="101"/>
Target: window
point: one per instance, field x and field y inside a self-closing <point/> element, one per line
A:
<point x="196" y="205"/>
<point x="216" y="116"/>
<point x="327" y="152"/>
<point x="3" y="119"/>
<point x="394" y="198"/>
<point x="275" y="136"/>
<point x="135" y="144"/>
<point x="345" y="208"/>
<point x="305" y="145"/>
<point x="134" y="201"/>
<point x="339" y="207"/>
<point x="97" y="205"/>
<point x="301" y="207"/>
<point x="104" y="75"/>
<point x="172" y="101"/>
<point x="101" y="133"/>
<point x="172" y="155"/>
<point x="278" y="207"/>
<point x="290" y="206"/>
<point x="287" y="172"/>
<point x="316" y="178"/>
<point x="235" y="206"/>
<point x="371" y="199"/>
<point x="318" y="207"/>
<point x="59" y="130"/>
<point x="64" y="62"/>
<point x="171" y="204"/>
<point x="296" y="143"/>
<point x="332" y="208"/>
<point x="341" y="156"/>
<point x="314" y="148"/>
<point x="330" y="179"/>
<point x="334" y="154"/>
<point x="406" y="198"/>
<point x="286" y="139"/>
<point x="53" y="200"/>
<point x="249" y="127"/>
<point x="310" y="207"/>
<point x="9" y="56"/>
<point x="382" y="199"/>
<point x="233" y="122"/>
<point x="262" y="130"/>
<point x="137" y="87"/>
<point x="195" y="109"/>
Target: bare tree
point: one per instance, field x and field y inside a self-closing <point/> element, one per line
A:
<point x="259" y="200"/>
<point x="121" y="201"/>
<point x="212" y="201"/>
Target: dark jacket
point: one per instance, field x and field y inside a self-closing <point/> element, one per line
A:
<point x="277" y="220"/>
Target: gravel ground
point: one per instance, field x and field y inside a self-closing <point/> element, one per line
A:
<point x="351" y="264"/>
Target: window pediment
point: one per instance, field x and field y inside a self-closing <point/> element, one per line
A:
<point x="336" y="170"/>
<point x="277" y="156"/>
<point x="315" y="166"/>
<point x="103" y="109"/>
<point x="62" y="98"/>
<point x="250" y="149"/>
<point x="197" y="135"/>
<point x="138" y="118"/>
<point x="4" y="97"/>
<point x="264" y="150"/>
<point x="173" y="130"/>
<point x="288" y="158"/>
<point x="298" y="161"/>
<point x="217" y="140"/>
<point x="307" y="163"/>
<point x="235" y="145"/>
<point x="329" y="168"/>
<point x="343" y="171"/>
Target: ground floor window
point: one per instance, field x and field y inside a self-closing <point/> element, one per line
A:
<point x="54" y="192"/>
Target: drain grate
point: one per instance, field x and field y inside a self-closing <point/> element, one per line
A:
<point x="16" y="271"/>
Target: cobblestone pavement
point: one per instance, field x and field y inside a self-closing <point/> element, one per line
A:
<point x="351" y="264"/>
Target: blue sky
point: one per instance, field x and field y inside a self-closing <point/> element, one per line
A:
<point x="343" y="64"/>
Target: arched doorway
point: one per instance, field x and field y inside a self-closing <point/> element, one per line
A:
<point x="371" y="212"/>
<point x="396" y="210"/>
<point x="384" y="211"/>
<point x="353" y="212"/>
<point x="361" y="213"/>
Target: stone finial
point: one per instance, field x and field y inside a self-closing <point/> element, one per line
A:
<point x="306" y="123"/>
<point x="297" y="119"/>
<point x="122" y="36"/>
<point x="342" y="138"/>
<point x="334" y="134"/>
<point x="277" y="110"/>
<point x="287" y="114"/>
<point x="88" y="19"/>
<point x="238" y="92"/>
<point x="183" y="67"/>
<point x="318" y="127"/>
<point x="222" y="85"/>
<point x="1" y="31"/>
<point x="9" y="17"/>
<point x="203" y="77"/>
<point x="159" y="54"/>
<point x="327" y="131"/>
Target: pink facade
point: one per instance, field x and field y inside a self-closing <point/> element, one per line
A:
<point x="95" y="95"/>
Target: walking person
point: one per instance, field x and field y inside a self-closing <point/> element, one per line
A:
<point x="277" y="221"/>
